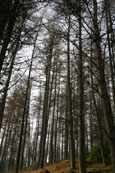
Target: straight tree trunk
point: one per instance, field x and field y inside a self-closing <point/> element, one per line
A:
<point x="107" y="12"/>
<point x="52" y="125"/>
<point x="56" y="123"/>
<point x="2" y="106"/>
<point x="71" y="137"/>
<point x="12" y="19"/>
<point x="5" y="150"/>
<point x="108" y="115"/>
<point x="5" y="90"/>
<point x="98" y="114"/>
<point x="12" y="148"/>
<point x="4" y="7"/>
<point x="45" y="108"/>
<point x="81" y="99"/>
<point x="24" y="110"/>
<point x="66" y="127"/>
<point x="25" y="127"/>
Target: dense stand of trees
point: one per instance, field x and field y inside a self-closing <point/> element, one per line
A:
<point x="57" y="81"/>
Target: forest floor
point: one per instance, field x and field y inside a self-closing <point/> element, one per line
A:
<point x="64" y="167"/>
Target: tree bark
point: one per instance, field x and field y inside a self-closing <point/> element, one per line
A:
<point x="71" y="137"/>
<point x="24" y="110"/>
<point x="108" y="115"/>
<point x="45" y="108"/>
<point x="12" y="19"/>
<point x="51" y="159"/>
<point x="81" y="99"/>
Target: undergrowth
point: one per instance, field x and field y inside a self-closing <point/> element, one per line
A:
<point x="64" y="167"/>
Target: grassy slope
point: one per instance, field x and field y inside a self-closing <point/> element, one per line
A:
<point x="64" y="167"/>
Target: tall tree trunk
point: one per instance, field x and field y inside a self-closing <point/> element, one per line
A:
<point x="25" y="126"/>
<point x="37" y="131"/>
<point x="52" y="125"/>
<point x="81" y="99"/>
<point x="3" y="101"/>
<point x="5" y="150"/>
<point x="5" y="90"/>
<point x="25" y="109"/>
<point x="108" y="115"/>
<point x="45" y="108"/>
<point x="71" y="137"/>
<point x="107" y="12"/>
<point x="4" y="7"/>
<point x="98" y="114"/>
<point x="66" y="127"/>
<point x="56" y="123"/>
<point x="12" y="19"/>
<point x="12" y="148"/>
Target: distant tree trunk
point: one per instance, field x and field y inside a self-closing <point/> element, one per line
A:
<point x="81" y="99"/>
<point x="24" y="110"/>
<point x="49" y="107"/>
<point x="62" y="142"/>
<point x="91" y="124"/>
<point x="108" y="115"/>
<point x="57" y="119"/>
<point x="77" y="136"/>
<point x="12" y="148"/>
<point x="25" y="126"/>
<point x="51" y="160"/>
<point x="29" y="155"/>
<point x="66" y="127"/>
<point x="5" y="150"/>
<point x="56" y="124"/>
<point x="71" y="137"/>
<point x="45" y="108"/>
<point x="37" y="131"/>
<point x="47" y="152"/>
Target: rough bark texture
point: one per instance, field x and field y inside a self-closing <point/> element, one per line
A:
<point x="108" y="116"/>
<point x="81" y="99"/>
<point x="71" y="137"/>
<point x="13" y="14"/>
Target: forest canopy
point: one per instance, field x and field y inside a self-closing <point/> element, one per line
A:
<point x="57" y="82"/>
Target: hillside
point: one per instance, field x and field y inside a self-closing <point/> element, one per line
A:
<point x="64" y="167"/>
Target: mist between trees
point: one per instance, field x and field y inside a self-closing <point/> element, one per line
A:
<point x="57" y="81"/>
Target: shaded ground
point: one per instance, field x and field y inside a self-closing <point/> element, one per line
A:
<point x="64" y="167"/>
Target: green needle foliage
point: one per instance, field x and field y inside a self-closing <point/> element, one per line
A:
<point x="95" y="153"/>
